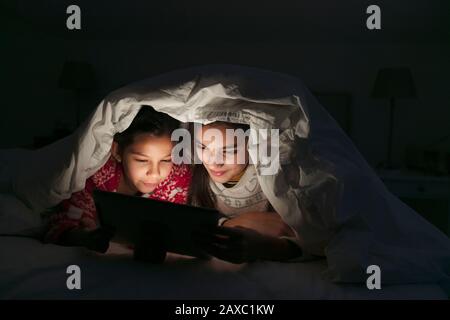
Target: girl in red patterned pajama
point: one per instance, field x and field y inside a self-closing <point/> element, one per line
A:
<point x="140" y="164"/>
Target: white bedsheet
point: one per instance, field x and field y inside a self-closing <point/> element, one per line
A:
<point x="31" y="270"/>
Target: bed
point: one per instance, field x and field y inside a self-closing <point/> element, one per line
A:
<point x="32" y="270"/>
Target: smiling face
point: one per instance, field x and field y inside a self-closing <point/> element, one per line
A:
<point x="146" y="162"/>
<point x="223" y="158"/>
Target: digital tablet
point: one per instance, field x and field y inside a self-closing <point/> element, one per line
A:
<point x="129" y="216"/>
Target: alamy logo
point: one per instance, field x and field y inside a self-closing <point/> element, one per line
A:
<point x="74" y="20"/>
<point x="374" y="280"/>
<point x="374" y="20"/>
<point x="263" y="147"/>
<point x="74" y="280"/>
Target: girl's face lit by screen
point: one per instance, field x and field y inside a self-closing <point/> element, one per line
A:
<point x="223" y="158"/>
<point x="146" y="162"/>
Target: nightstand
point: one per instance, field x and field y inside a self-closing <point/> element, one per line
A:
<point x="428" y="195"/>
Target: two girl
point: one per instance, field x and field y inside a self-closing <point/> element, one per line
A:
<point x="141" y="164"/>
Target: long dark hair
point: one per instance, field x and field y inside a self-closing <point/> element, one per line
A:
<point x="147" y="120"/>
<point x="200" y="193"/>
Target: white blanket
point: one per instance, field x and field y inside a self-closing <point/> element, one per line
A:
<point x="324" y="188"/>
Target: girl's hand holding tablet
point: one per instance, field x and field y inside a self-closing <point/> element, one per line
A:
<point x="240" y="245"/>
<point x="266" y="223"/>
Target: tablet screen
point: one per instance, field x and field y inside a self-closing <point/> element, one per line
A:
<point x="133" y="217"/>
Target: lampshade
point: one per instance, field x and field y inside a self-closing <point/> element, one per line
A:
<point x="394" y="83"/>
<point x="77" y="75"/>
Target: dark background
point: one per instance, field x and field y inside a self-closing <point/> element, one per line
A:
<point x="326" y="43"/>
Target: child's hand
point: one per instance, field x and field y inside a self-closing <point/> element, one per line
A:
<point x="151" y="246"/>
<point x="266" y="223"/>
<point x="98" y="239"/>
<point x="239" y="245"/>
<point x="150" y="251"/>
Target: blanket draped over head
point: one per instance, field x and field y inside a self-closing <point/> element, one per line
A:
<point x="323" y="187"/>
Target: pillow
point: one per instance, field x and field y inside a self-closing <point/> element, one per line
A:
<point x="16" y="218"/>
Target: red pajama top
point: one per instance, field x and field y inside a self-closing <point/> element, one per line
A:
<point x="79" y="210"/>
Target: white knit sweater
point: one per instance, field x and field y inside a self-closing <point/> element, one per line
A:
<point x="245" y="196"/>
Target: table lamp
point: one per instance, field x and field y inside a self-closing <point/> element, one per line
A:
<point x="393" y="83"/>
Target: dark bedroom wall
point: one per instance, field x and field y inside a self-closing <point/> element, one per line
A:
<point x="30" y="102"/>
<point x="32" y="60"/>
